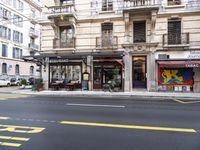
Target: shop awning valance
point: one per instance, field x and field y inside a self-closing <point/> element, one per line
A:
<point x="179" y="63"/>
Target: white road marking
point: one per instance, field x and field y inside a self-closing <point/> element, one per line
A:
<point x="94" y="105"/>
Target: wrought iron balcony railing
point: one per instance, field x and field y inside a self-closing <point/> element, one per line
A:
<point x="131" y="4"/>
<point x="176" y="39"/>
<point x="67" y="43"/>
<point x="107" y="42"/>
<point x="61" y="10"/>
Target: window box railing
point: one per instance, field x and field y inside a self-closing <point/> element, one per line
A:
<point x="107" y="42"/>
<point x="174" y="2"/>
<point x="67" y="43"/>
<point x="176" y="39"/>
<point x="33" y="46"/>
<point x="33" y="33"/>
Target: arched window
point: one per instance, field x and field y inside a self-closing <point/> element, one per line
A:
<point x="17" y="69"/>
<point x="31" y="70"/>
<point x="4" y="68"/>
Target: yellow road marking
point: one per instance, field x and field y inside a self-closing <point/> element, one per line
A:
<point x="10" y="144"/>
<point x="14" y="138"/>
<point x="21" y="129"/>
<point x="182" y="102"/>
<point x="128" y="126"/>
<point x="4" y="118"/>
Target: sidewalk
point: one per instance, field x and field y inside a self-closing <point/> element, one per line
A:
<point x="109" y="94"/>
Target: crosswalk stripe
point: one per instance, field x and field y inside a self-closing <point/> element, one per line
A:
<point x="14" y="138"/>
<point x="4" y="118"/>
<point x="10" y="144"/>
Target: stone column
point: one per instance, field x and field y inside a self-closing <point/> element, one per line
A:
<point x="151" y="72"/>
<point x="45" y="73"/>
<point x="126" y="36"/>
<point x="127" y="72"/>
<point x="90" y="71"/>
<point x="196" y="86"/>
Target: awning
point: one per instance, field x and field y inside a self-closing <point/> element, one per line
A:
<point x="179" y="63"/>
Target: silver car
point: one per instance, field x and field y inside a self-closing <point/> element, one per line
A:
<point x="4" y="82"/>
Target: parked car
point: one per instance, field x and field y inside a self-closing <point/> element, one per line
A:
<point x="4" y="82"/>
<point x="31" y="81"/>
<point x="15" y="81"/>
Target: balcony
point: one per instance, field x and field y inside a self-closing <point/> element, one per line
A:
<point x="68" y="43"/>
<point x="61" y="11"/>
<point x="33" y="47"/>
<point x="33" y="33"/>
<point x="176" y="40"/>
<point x="143" y="5"/>
<point x="107" y="42"/>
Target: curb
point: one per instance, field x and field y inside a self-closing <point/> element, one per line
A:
<point x="107" y="95"/>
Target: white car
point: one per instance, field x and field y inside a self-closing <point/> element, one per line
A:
<point x="4" y="82"/>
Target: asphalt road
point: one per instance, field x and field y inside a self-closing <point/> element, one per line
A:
<point x="61" y="123"/>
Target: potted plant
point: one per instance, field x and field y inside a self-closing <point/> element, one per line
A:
<point x="23" y="83"/>
<point x="39" y="84"/>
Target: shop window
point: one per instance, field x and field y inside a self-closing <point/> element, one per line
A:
<point x="107" y="5"/>
<point x="174" y="31"/>
<point x="17" y="69"/>
<point x="139" y="32"/>
<point x="4" y="68"/>
<point x="65" y="73"/>
<point x="174" y="2"/>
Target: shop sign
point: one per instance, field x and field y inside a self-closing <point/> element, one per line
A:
<point x="58" y="60"/>
<point x="194" y="65"/>
<point x="194" y="55"/>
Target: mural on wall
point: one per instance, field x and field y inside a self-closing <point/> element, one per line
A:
<point x="175" y="76"/>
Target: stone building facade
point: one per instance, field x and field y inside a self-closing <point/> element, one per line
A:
<point x="19" y="36"/>
<point x="134" y="44"/>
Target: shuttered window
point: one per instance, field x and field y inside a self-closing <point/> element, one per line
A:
<point x="139" y="32"/>
<point x="174" y="32"/>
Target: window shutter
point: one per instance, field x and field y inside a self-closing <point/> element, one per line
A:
<point x="139" y="32"/>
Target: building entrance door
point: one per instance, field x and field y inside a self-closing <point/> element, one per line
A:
<point x="139" y="72"/>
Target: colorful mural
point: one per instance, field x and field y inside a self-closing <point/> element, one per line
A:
<point x="175" y="76"/>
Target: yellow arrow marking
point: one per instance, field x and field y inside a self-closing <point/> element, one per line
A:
<point x="14" y="138"/>
<point x="128" y="126"/>
<point x="190" y="102"/>
<point x="10" y="144"/>
<point x="21" y="129"/>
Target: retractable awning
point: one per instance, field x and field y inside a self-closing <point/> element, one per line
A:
<point x="179" y="63"/>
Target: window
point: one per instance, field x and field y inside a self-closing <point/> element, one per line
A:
<point x="107" y="5"/>
<point x="174" y="31"/>
<point x="174" y="2"/>
<point x="5" y="14"/>
<point x="31" y="70"/>
<point x="14" y="4"/>
<point x="66" y="37"/>
<point x="17" y="53"/>
<point x="17" y="37"/>
<point x="107" y="34"/>
<point x="5" y="32"/>
<point x="17" y="69"/>
<point x="139" y="30"/>
<point x="4" y="68"/>
<point x="18" y="21"/>
<point x="21" y="6"/>
<point x="4" y="50"/>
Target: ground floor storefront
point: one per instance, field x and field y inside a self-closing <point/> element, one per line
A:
<point x="122" y="73"/>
